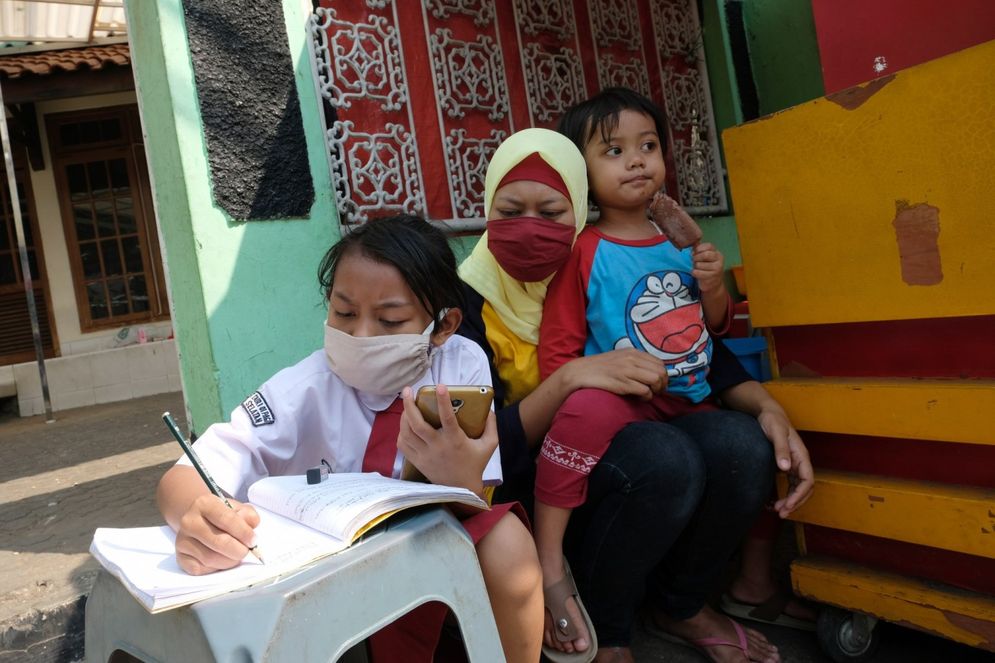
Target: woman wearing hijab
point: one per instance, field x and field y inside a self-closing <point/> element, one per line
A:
<point x="535" y="197"/>
<point x="651" y="498"/>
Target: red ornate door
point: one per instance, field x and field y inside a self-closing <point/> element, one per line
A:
<point x="423" y="92"/>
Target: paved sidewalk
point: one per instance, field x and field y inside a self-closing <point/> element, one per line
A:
<point x="92" y="467"/>
<point x="98" y="466"/>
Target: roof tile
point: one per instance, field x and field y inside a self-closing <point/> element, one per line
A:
<point x="43" y="63"/>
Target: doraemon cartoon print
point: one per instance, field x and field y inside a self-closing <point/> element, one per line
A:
<point x="664" y="318"/>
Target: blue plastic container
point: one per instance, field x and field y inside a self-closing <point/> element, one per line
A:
<point x="752" y="354"/>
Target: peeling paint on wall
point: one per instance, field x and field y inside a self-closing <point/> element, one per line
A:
<point x="984" y="629"/>
<point x="917" y="230"/>
<point x="854" y="97"/>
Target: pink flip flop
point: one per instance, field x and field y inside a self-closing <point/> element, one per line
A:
<point x="701" y="643"/>
<point x="742" y="645"/>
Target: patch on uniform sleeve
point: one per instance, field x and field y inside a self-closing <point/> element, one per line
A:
<point x="258" y="410"/>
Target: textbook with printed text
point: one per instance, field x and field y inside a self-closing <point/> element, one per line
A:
<point x="299" y="523"/>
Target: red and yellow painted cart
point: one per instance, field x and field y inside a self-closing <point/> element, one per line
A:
<point x="867" y="228"/>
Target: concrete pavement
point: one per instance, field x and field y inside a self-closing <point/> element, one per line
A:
<point x="95" y="466"/>
<point x="98" y="467"/>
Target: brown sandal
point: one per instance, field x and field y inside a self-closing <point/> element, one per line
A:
<point x="771" y="611"/>
<point x="555" y="598"/>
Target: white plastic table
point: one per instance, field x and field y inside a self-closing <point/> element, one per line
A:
<point x="316" y="614"/>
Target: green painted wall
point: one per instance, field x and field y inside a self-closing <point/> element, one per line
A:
<point x="784" y="52"/>
<point x="462" y="245"/>
<point x="244" y="296"/>
<point x="721" y="230"/>
<point x="718" y="58"/>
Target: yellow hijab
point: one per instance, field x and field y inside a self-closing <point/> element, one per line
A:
<point x="516" y="303"/>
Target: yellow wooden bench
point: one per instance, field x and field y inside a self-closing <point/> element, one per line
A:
<point x="876" y="204"/>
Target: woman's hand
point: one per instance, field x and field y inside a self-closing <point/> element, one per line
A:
<point x="445" y="455"/>
<point x="627" y="372"/>
<point x="211" y="537"/>
<point x="792" y="457"/>
<point x="789" y="450"/>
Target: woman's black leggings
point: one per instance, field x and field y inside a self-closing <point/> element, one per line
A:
<point x="666" y="508"/>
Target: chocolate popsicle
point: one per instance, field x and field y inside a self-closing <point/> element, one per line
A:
<point x="675" y="223"/>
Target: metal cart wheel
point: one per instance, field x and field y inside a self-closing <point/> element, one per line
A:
<point x="847" y="637"/>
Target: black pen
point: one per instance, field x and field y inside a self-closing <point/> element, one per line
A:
<point x="202" y="471"/>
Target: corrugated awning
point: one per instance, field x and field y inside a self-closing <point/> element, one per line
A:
<point x="64" y="22"/>
<point x="43" y="63"/>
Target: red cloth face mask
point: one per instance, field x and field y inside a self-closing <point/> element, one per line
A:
<point x="529" y="249"/>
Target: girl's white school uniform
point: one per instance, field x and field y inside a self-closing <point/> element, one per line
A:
<point x="305" y="414"/>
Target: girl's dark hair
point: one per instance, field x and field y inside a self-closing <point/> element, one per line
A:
<point x="600" y="113"/>
<point x="417" y="249"/>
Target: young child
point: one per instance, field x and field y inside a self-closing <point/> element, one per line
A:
<point x="393" y="307"/>
<point x="625" y="285"/>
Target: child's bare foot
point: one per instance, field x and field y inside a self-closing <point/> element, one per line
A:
<point x="566" y="628"/>
<point x="719" y="637"/>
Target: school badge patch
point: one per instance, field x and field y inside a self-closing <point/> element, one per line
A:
<point x="258" y="410"/>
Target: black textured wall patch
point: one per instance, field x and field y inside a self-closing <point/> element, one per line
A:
<point x="249" y="105"/>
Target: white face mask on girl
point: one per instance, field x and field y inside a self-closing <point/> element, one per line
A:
<point x="379" y="364"/>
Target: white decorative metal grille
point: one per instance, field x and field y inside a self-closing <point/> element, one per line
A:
<point x="616" y="22"/>
<point x="684" y="76"/>
<point x="380" y="171"/>
<point x="631" y="74"/>
<point x="364" y="61"/>
<point x="685" y="100"/>
<point x="373" y="171"/>
<point x="482" y="11"/>
<point x="469" y="75"/>
<point x="696" y="177"/>
<point x="468" y="159"/>
<point x="677" y="33"/>
<point x="555" y="81"/>
<point x="553" y="16"/>
<point x="464" y="105"/>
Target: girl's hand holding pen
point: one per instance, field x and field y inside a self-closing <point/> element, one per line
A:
<point x="211" y="537"/>
<point x="212" y="528"/>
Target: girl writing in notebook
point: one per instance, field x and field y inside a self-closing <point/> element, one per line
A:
<point x="393" y="307"/>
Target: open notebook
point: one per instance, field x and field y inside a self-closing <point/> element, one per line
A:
<point x="299" y="523"/>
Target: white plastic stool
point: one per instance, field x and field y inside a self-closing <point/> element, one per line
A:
<point x="316" y="614"/>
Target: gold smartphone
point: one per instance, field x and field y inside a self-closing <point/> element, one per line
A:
<point x="472" y="404"/>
